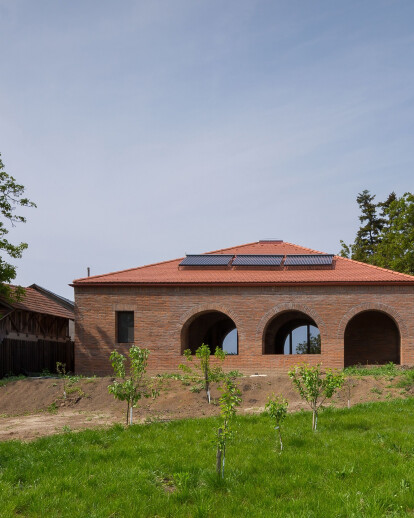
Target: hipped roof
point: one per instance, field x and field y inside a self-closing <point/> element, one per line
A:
<point x="343" y="271"/>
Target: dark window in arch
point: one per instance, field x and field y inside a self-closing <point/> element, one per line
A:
<point x="292" y="332"/>
<point x="212" y="328"/>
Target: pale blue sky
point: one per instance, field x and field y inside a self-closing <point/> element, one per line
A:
<point x="147" y="129"/>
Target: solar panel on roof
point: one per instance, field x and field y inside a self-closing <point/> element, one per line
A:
<point x="207" y="260"/>
<point x="309" y="260"/>
<point x="258" y="260"/>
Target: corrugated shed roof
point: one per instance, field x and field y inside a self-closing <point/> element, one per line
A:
<point x="343" y="271"/>
<point x="37" y="302"/>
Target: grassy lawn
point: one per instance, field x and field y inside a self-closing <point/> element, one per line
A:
<point x="390" y="371"/>
<point x="359" y="464"/>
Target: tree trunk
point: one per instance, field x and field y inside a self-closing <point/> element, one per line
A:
<point x="127" y="414"/>
<point x="224" y="461"/>
<point x="314" y="420"/>
<point x="207" y="382"/>
<point x="218" y="457"/>
<point x="130" y="415"/>
<point x="280" y="439"/>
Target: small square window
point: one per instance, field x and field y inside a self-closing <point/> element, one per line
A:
<point x="125" y="326"/>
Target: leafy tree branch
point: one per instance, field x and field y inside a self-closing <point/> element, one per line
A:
<point x="11" y="197"/>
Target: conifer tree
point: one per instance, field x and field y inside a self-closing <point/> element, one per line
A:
<point x="386" y="235"/>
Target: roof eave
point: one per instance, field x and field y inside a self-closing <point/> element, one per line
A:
<point x="243" y="284"/>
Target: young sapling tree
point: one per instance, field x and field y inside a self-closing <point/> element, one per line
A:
<point x="133" y="385"/>
<point x="276" y="407"/>
<point x="315" y="387"/>
<point x="349" y="384"/>
<point x="61" y="370"/>
<point x="202" y="374"/>
<point x="229" y="401"/>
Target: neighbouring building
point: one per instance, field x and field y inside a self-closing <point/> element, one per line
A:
<point x="269" y="304"/>
<point x="36" y="332"/>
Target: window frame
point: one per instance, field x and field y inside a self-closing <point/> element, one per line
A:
<point x="118" y="329"/>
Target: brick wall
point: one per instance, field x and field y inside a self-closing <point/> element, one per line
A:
<point x="160" y="314"/>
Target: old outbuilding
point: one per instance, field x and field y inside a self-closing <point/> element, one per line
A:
<point x="269" y="304"/>
<point x="36" y="331"/>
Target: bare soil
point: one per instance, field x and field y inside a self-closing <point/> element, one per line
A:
<point x="35" y="407"/>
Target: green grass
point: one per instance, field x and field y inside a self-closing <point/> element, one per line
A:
<point x="407" y="379"/>
<point x="360" y="463"/>
<point x="9" y="379"/>
<point x="389" y="370"/>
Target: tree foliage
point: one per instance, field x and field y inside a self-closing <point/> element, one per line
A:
<point x="201" y="373"/>
<point x="386" y="235"/>
<point x="11" y="196"/>
<point x="314" y="386"/>
<point x="314" y="346"/>
<point x="133" y="385"/>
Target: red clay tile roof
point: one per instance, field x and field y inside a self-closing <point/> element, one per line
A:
<point x="37" y="302"/>
<point x="344" y="271"/>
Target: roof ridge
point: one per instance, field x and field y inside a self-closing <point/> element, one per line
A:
<point x="258" y="242"/>
<point x="231" y="247"/>
<point x="126" y="270"/>
<point x="405" y="275"/>
<point x="306" y="248"/>
<point x="52" y="295"/>
<point x="158" y="263"/>
<point x="91" y="277"/>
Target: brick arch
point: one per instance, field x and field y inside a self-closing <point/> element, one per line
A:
<point x="201" y="308"/>
<point x="372" y="306"/>
<point x="290" y="306"/>
<point x="186" y="319"/>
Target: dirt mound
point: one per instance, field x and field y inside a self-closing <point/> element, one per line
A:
<point x="34" y="407"/>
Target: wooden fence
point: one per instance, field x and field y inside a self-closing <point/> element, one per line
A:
<point x="25" y="357"/>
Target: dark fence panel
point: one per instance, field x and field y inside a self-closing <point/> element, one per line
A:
<point x="24" y="357"/>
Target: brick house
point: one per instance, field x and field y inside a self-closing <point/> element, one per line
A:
<point x="269" y="304"/>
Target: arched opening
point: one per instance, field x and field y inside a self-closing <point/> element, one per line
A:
<point x="292" y="332"/>
<point x="213" y="328"/>
<point x="371" y="337"/>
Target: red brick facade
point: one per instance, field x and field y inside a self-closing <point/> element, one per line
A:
<point x="161" y="312"/>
